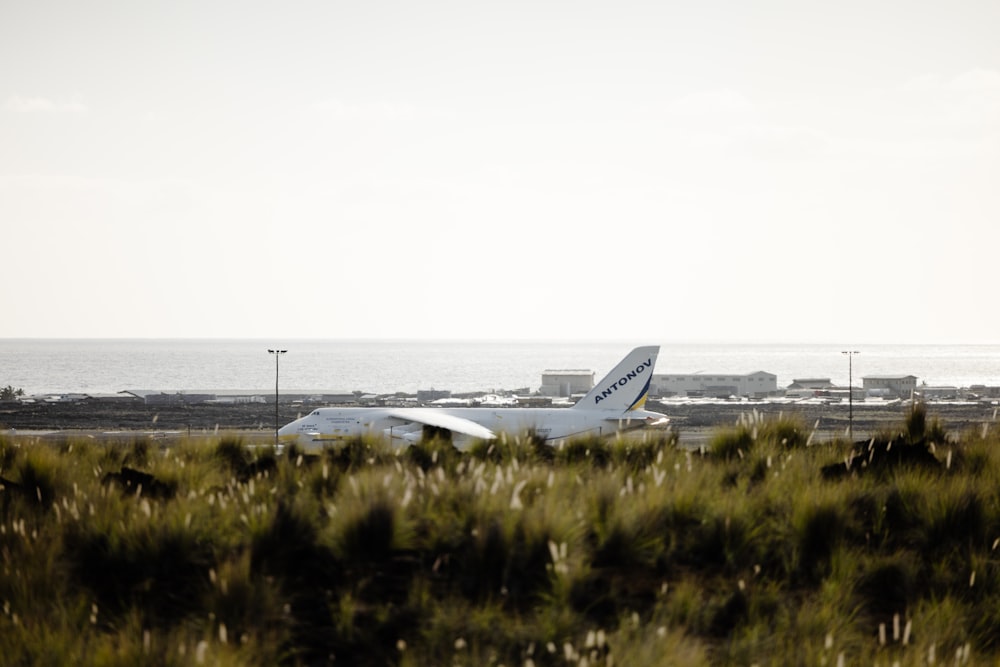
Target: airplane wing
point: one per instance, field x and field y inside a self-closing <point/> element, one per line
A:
<point x="438" y="419"/>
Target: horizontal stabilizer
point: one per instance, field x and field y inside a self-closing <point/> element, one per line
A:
<point x="627" y="423"/>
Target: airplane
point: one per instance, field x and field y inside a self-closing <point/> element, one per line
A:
<point x="615" y="404"/>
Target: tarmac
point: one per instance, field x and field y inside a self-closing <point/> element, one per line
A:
<point x="695" y="420"/>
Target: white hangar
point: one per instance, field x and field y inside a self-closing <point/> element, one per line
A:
<point x="718" y="385"/>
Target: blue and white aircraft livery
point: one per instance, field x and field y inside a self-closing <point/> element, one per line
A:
<point x="615" y="404"/>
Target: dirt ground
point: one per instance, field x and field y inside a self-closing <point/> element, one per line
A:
<point x="694" y="422"/>
<point x="829" y="421"/>
<point x="98" y="416"/>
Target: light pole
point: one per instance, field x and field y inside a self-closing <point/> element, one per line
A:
<point x="277" y="355"/>
<point x="850" y="392"/>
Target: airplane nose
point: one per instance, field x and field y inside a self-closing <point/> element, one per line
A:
<point x="288" y="431"/>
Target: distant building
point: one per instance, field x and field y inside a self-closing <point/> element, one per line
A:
<point x="938" y="393"/>
<point x="236" y="397"/>
<point x="809" y="387"/>
<point x="120" y="397"/>
<point x="564" y="383"/>
<point x="811" y="383"/>
<point x="333" y="398"/>
<point x="718" y="385"/>
<point x="239" y="398"/>
<point x="150" y="397"/>
<point x="901" y="386"/>
<point x="430" y="395"/>
<point x="534" y="401"/>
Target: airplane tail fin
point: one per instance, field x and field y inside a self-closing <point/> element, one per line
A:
<point x="626" y="386"/>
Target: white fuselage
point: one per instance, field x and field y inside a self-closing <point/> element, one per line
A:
<point x="407" y="424"/>
<point x="613" y="405"/>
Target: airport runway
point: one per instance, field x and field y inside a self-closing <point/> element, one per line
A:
<point x="695" y="422"/>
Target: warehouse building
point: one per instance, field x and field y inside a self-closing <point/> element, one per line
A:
<point x="565" y="383"/>
<point x="901" y="386"/>
<point x="714" y="385"/>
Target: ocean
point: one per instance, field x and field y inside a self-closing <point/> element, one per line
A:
<point x="52" y="366"/>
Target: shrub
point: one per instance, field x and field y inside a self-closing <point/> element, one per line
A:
<point x="592" y="451"/>
<point x="157" y="567"/>
<point x="368" y="533"/>
<point x="820" y="529"/>
<point x="38" y="475"/>
<point x="499" y="555"/>
<point x="731" y="443"/>
<point x="886" y="586"/>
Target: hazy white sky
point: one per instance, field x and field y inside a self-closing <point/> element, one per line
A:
<point x="785" y="170"/>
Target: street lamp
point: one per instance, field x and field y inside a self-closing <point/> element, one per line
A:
<point x="277" y="355"/>
<point x="850" y="392"/>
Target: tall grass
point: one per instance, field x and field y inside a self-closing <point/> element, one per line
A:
<point x="597" y="552"/>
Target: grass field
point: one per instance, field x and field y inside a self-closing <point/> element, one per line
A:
<point x="766" y="548"/>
